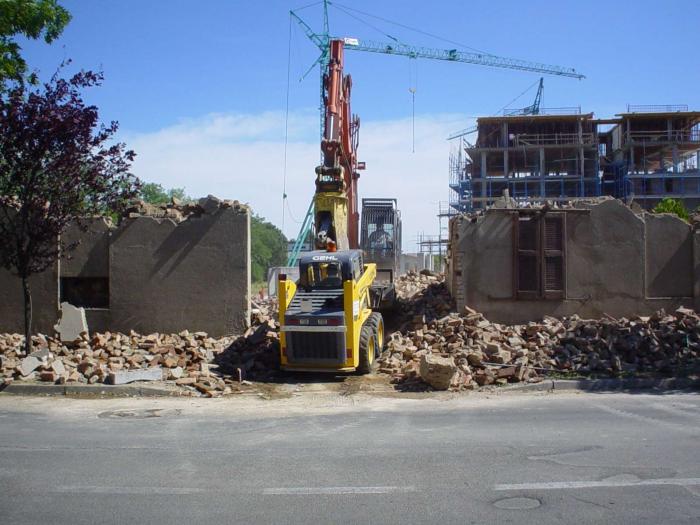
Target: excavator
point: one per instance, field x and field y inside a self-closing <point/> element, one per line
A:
<point x="330" y="318"/>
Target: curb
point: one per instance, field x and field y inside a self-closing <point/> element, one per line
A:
<point x="609" y="385"/>
<point x="78" y="390"/>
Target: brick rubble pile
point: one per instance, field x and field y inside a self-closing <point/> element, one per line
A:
<point x="449" y="350"/>
<point x="194" y="362"/>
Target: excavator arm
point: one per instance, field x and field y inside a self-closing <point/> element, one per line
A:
<point x="335" y="201"/>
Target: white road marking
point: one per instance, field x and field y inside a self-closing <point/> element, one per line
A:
<point x="558" y="485"/>
<point x="130" y="490"/>
<point x="296" y="491"/>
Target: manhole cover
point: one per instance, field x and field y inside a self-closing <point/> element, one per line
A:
<point x="144" y="413"/>
<point x="517" y="503"/>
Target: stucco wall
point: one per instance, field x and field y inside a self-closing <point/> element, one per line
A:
<point x="44" y="288"/>
<point x="617" y="263"/>
<point x="163" y="276"/>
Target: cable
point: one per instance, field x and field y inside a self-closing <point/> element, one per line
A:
<point x="335" y="4"/>
<point x="516" y="98"/>
<point x="286" y="120"/>
<point x="307" y="6"/>
<point x="291" y="215"/>
<point x="367" y="23"/>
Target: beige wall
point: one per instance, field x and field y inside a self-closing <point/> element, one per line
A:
<point x="163" y="276"/>
<point x="617" y="263"/>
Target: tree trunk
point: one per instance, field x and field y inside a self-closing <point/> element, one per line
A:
<point x="27" y="316"/>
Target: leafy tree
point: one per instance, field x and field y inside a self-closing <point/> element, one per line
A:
<point x="155" y="194"/>
<point x="58" y="166"/>
<point x="669" y="205"/>
<point x="33" y="19"/>
<point x="268" y="247"/>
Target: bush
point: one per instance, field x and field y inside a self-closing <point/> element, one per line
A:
<point x="674" y="206"/>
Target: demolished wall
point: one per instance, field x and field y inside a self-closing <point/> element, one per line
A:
<point x="616" y="262"/>
<point x="165" y="273"/>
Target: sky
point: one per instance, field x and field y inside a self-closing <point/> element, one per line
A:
<point x="200" y="87"/>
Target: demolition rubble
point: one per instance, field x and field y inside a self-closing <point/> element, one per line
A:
<point x="432" y="347"/>
<point x="193" y="362"/>
<point x="463" y="350"/>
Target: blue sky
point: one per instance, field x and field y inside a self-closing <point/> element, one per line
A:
<point x="199" y="88"/>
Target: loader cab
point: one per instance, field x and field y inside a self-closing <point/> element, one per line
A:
<point x="321" y="270"/>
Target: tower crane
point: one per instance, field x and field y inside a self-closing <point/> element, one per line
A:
<point x="332" y="48"/>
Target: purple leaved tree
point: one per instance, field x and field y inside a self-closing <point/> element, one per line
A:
<point x="58" y="166"/>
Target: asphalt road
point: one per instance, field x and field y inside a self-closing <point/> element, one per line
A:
<point x="564" y="458"/>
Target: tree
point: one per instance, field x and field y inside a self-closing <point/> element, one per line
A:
<point x="268" y="247"/>
<point x="58" y="166"/>
<point x="669" y="205"/>
<point x="153" y="193"/>
<point x="33" y="19"/>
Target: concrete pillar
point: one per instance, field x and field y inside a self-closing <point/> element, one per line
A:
<point x="675" y="159"/>
<point x="543" y="174"/>
<point x="631" y="168"/>
<point x="669" y="129"/>
<point x="483" y="176"/>
<point x="505" y="162"/>
<point x="696" y="269"/>
<point x="582" y="170"/>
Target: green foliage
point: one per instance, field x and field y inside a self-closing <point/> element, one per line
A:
<point x="32" y="19"/>
<point x="154" y="193"/>
<point x="268" y="247"/>
<point x="674" y="206"/>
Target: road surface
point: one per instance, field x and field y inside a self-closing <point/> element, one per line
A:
<point x="525" y="458"/>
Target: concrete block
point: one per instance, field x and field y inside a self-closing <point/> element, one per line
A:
<point x="40" y="354"/>
<point x="28" y="365"/>
<point x="127" y="376"/>
<point x="58" y="367"/>
<point x="72" y="322"/>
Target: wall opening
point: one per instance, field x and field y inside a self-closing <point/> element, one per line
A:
<point x="85" y="292"/>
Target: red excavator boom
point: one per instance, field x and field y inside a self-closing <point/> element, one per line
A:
<point x="338" y="173"/>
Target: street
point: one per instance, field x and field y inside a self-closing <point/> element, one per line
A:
<point x="314" y="458"/>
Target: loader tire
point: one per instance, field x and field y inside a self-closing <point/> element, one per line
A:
<point x="377" y="322"/>
<point x="368" y="344"/>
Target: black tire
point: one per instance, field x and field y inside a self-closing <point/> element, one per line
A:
<point x="377" y="322"/>
<point x="368" y="344"/>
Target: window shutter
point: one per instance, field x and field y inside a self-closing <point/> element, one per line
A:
<point x="554" y="246"/>
<point x="526" y="230"/>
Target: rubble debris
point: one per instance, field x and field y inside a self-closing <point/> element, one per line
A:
<point x="195" y="362"/>
<point x="178" y="211"/>
<point x="486" y="353"/>
<point x="72" y="322"/>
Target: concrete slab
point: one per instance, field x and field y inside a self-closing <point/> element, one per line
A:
<point x="72" y="322"/>
<point x="123" y="377"/>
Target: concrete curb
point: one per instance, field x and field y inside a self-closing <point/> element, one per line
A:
<point x="608" y="385"/>
<point x="78" y="390"/>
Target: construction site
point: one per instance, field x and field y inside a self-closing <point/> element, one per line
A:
<point x="644" y="154"/>
<point x="550" y="217"/>
<point x="318" y="290"/>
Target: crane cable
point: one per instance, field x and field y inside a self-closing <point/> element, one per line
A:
<point x="286" y="123"/>
<point x="516" y="98"/>
<point x="404" y="26"/>
<point x="412" y="87"/>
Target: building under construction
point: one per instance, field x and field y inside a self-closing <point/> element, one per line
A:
<point x="644" y="154"/>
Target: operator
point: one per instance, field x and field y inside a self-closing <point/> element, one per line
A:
<point x="380" y="239"/>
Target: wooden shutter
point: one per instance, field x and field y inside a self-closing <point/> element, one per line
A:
<point x="526" y="234"/>
<point x="553" y="255"/>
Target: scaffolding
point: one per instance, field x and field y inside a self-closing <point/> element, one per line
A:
<point x="645" y="155"/>
<point x="551" y="156"/>
<point x="654" y="153"/>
